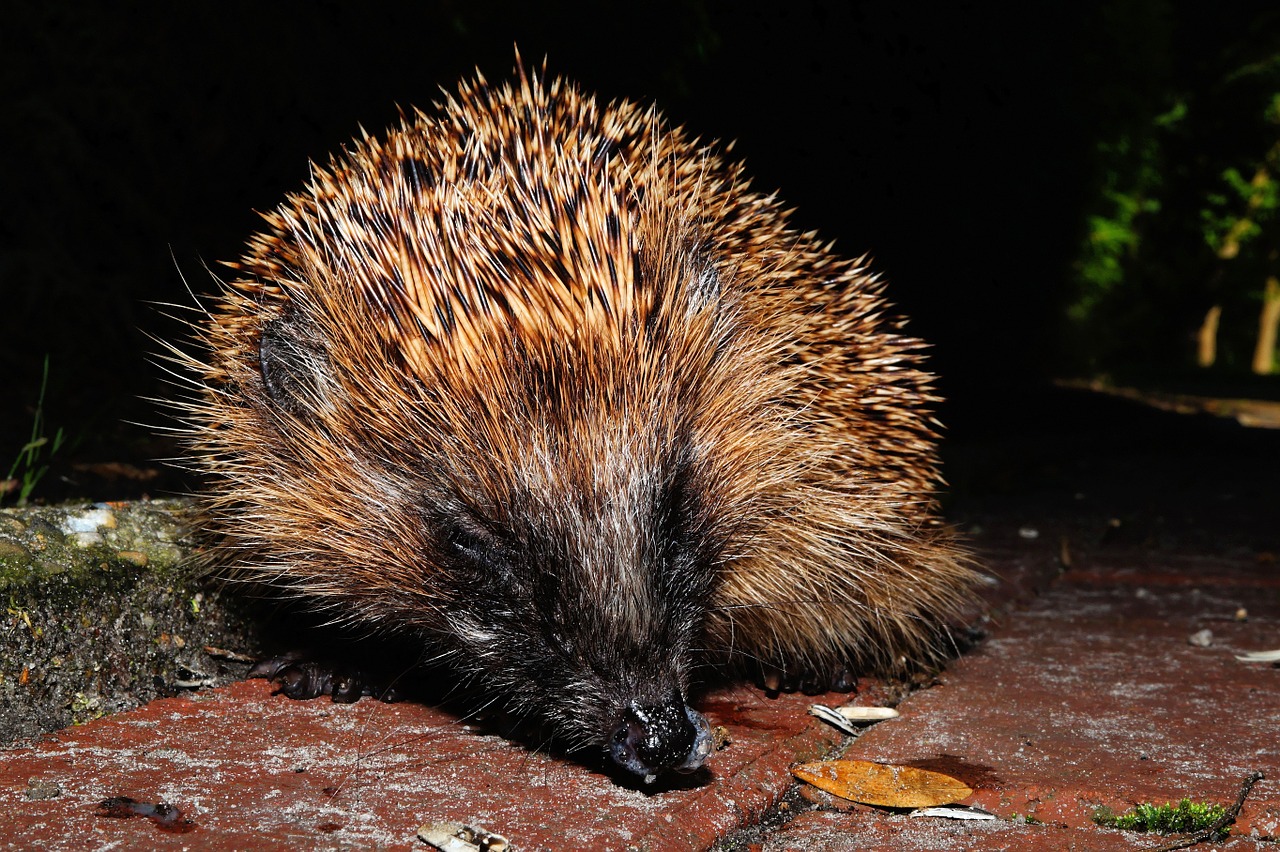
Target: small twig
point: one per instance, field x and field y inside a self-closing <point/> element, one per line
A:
<point x="1219" y="824"/>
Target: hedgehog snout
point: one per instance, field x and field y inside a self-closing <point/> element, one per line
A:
<point x="654" y="738"/>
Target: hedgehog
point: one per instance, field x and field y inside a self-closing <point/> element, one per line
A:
<point x="543" y="383"/>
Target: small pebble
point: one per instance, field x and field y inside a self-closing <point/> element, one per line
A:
<point x="39" y="789"/>
<point x="90" y="520"/>
<point x="1201" y="638"/>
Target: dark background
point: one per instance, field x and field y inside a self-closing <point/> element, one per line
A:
<point x="953" y="141"/>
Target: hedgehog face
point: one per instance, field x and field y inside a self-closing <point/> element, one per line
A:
<point x="567" y="557"/>
<point x="588" y="604"/>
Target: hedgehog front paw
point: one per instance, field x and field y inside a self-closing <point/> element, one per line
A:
<point x="776" y="679"/>
<point x="301" y="678"/>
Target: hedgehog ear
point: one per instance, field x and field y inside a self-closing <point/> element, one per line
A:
<point x="295" y="369"/>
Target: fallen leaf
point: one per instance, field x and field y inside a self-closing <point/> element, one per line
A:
<point x="883" y="784"/>
<point x="117" y="470"/>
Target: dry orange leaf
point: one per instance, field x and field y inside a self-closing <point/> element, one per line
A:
<point x="883" y="784"/>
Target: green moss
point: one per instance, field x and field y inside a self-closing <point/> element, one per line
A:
<point x="1185" y="816"/>
<point x="85" y="708"/>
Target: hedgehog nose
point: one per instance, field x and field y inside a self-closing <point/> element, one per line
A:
<point x="654" y="738"/>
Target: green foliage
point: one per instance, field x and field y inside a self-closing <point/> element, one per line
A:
<point x="1129" y="194"/>
<point x="1182" y="214"/>
<point x="1185" y="816"/>
<point x="1226" y="215"/>
<point x="32" y="461"/>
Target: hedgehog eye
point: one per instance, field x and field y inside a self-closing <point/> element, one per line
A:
<point x="472" y="541"/>
<point x="478" y="549"/>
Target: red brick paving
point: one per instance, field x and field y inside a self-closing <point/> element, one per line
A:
<point x="254" y="770"/>
<point x="860" y="832"/>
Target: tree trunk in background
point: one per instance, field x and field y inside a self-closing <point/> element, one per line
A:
<point x="1207" y="337"/>
<point x="1264" y="356"/>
